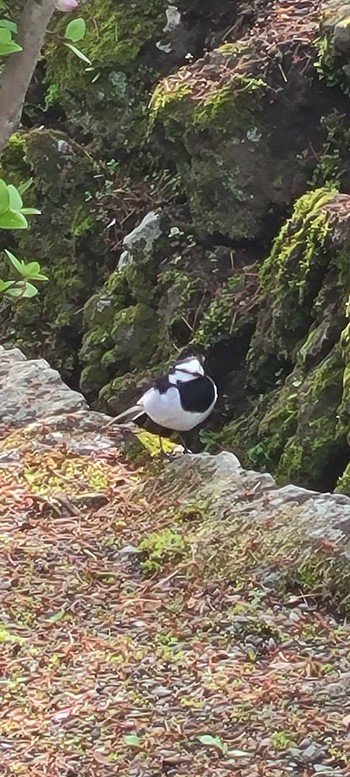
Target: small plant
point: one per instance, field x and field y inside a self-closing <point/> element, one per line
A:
<point x="74" y="32"/>
<point x="13" y="216"/>
<point x="21" y="288"/>
<point x="281" y="740"/>
<point x="163" y="547"/>
<point x="7" y="44"/>
<point x="12" y="213"/>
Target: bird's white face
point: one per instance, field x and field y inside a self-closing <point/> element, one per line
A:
<point x="188" y="369"/>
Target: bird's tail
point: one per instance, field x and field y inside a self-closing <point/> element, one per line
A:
<point x="128" y="415"/>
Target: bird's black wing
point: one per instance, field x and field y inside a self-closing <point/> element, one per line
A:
<point x="197" y="395"/>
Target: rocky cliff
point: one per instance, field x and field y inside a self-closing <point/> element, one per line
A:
<point x="195" y="194"/>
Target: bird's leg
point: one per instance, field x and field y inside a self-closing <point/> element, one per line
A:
<point x="163" y="454"/>
<point x="184" y="444"/>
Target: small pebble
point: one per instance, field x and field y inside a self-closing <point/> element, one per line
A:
<point x="312" y="753"/>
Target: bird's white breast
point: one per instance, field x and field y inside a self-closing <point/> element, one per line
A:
<point x="166" y="410"/>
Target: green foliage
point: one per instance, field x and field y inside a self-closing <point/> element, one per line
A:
<point x="7" y="44"/>
<point x="75" y="31"/>
<point x="163" y="547"/>
<point x="13" y="216"/>
<point x="288" y="281"/>
<point x="12" y="213"/>
<point x="219" y="319"/>
<point x="22" y="287"/>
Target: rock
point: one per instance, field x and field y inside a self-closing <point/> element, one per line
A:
<point x="341" y="35"/>
<point x="129" y="550"/>
<point x="297" y="535"/>
<point x="333" y="12"/>
<point x="312" y="754"/>
<point x="141" y="238"/>
<point x="31" y="390"/>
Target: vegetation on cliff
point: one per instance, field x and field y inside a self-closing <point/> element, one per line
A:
<point x="236" y="148"/>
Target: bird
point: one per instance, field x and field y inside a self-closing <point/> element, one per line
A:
<point x="176" y="402"/>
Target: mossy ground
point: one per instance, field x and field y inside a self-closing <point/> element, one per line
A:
<point x="123" y="592"/>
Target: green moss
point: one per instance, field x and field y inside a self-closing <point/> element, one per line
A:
<point x="134" y="335"/>
<point x="220" y="126"/>
<point x="279" y="422"/>
<point x="216" y="108"/>
<point x="220" y="317"/>
<point x="166" y="546"/>
<point x="115" y="34"/>
<point x="289" y="281"/>
<point x="317" y="443"/>
<point x="104" y="97"/>
<point x="126" y="340"/>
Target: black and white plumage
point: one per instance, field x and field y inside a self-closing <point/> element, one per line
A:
<point x="178" y="401"/>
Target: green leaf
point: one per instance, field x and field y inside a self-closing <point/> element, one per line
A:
<point x="131" y="739"/>
<point x="210" y="741"/>
<point x="16" y="201"/>
<point x="5" y="35"/>
<point x="56" y="616"/>
<point x="78" y="53"/>
<point x="32" y="271"/>
<point x="31" y="211"/>
<point x="27" y="270"/>
<point x="13" y="219"/>
<point x="4" y="285"/>
<point x="4" y="197"/>
<point x="16" y="291"/>
<point x="238" y="753"/>
<point x="9" y="48"/>
<point x="23" y="187"/>
<point x="8" y="24"/>
<point x="38" y="277"/>
<point x="16" y="263"/>
<point x="32" y="267"/>
<point x="22" y="289"/>
<point x="32" y="291"/>
<point x="76" y="30"/>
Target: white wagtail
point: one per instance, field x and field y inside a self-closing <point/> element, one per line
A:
<point x="176" y="402"/>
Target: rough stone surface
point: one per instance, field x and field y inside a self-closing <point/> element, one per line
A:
<point x="30" y="389"/>
<point x="296" y="531"/>
<point x="144" y="235"/>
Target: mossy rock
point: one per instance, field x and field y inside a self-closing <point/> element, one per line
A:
<point x="296" y="421"/>
<point x="222" y="134"/>
<point x="290" y="281"/>
<point x="127" y="344"/>
<point x="109" y="98"/>
<point x="317" y="451"/>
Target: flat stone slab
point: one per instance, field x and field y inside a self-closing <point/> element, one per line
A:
<point x="30" y="389"/>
